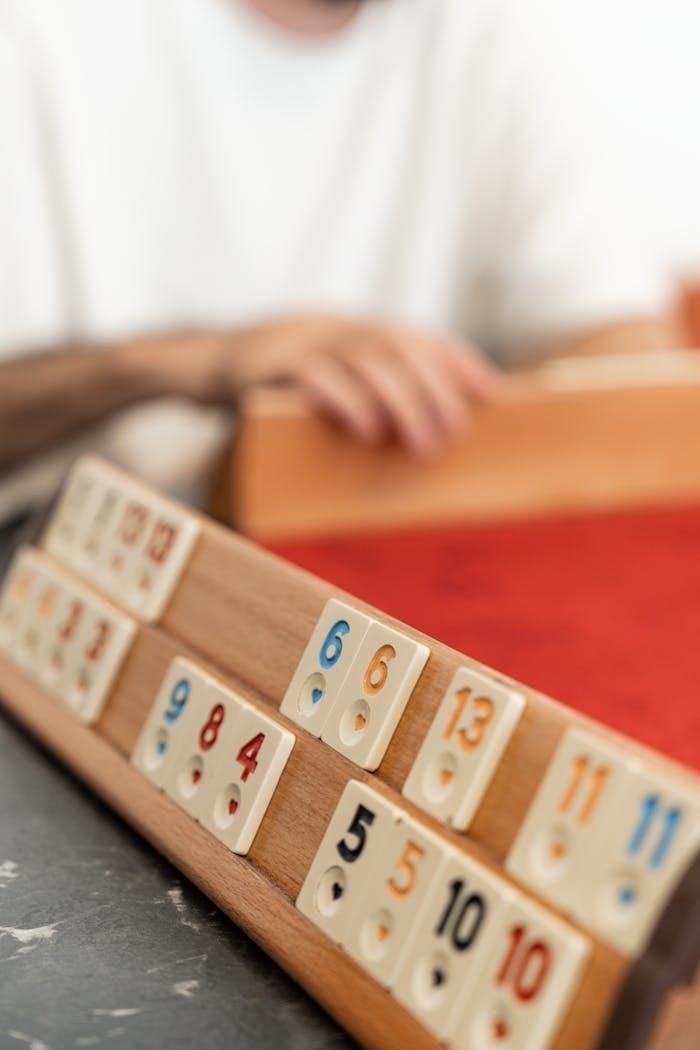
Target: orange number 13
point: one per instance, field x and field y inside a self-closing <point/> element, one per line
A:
<point x="469" y="739"/>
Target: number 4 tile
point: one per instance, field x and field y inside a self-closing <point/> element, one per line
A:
<point x="324" y="666"/>
<point x="248" y="764"/>
<point x="463" y="747"/>
<point x="374" y="695"/>
<point x="525" y="988"/>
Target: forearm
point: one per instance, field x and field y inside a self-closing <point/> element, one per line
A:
<point x="48" y="397"/>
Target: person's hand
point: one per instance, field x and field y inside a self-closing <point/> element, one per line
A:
<point x="375" y="380"/>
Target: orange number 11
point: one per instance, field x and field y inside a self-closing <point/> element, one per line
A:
<point x="579" y="770"/>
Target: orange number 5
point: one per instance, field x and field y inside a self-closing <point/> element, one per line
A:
<point x="410" y="854"/>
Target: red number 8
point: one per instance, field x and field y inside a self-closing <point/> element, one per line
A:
<point x="210" y="730"/>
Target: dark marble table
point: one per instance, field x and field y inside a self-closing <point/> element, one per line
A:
<point x="104" y="944"/>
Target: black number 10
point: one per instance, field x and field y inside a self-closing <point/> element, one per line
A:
<point x="462" y="920"/>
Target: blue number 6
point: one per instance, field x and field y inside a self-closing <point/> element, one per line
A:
<point x="332" y="647"/>
<point x="178" y="699"/>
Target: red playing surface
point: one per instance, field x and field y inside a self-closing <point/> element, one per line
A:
<point x="601" y="612"/>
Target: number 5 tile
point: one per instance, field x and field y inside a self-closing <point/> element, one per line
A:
<point x="335" y="884"/>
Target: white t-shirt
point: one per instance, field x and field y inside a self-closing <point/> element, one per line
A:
<point x="170" y="163"/>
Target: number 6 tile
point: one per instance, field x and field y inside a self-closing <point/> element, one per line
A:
<point x="324" y="666"/>
<point x="374" y="695"/>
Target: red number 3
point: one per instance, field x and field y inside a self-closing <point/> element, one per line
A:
<point x="210" y="729"/>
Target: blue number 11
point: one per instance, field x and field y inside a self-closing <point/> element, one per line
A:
<point x="672" y="818"/>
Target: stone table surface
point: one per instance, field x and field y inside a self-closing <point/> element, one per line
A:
<point x="103" y="943"/>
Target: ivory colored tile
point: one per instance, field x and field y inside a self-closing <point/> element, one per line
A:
<point x="463" y="747"/>
<point x="248" y="766"/>
<point x="400" y="879"/>
<point x="202" y="744"/>
<point x="525" y="989"/>
<point x="177" y="711"/>
<point x="568" y="820"/>
<point x="334" y="886"/>
<point x="650" y="839"/>
<point x="324" y="666"/>
<point x="374" y="695"/>
<point x="76" y="506"/>
<point x="453" y="939"/>
<point x="20" y="591"/>
<point x="151" y="578"/>
<point x="100" y="649"/>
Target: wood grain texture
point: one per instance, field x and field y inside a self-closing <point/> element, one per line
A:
<point x="257" y="893"/>
<point x="251" y="614"/>
<point x="588" y="434"/>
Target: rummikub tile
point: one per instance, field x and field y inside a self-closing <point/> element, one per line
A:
<point x="374" y="695"/>
<point x="463" y="747"/>
<point x="324" y="665"/>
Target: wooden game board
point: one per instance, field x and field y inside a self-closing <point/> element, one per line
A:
<point x="574" y="434"/>
<point x="140" y="582"/>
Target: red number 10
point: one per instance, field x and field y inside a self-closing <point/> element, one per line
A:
<point x="525" y="968"/>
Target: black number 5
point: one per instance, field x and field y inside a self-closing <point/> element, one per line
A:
<point x="362" y="817"/>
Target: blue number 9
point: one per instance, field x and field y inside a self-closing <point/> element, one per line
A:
<point x="178" y="699"/>
<point x="332" y="647"/>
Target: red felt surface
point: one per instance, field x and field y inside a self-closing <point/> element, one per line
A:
<point x="602" y="613"/>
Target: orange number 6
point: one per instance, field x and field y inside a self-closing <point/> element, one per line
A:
<point x="376" y="673"/>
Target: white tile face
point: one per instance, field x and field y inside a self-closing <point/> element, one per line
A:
<point x="451" y="942"/>
<point x="20" y="594"/>
<point x="122" y="539"/>
<point x="652" y="836"/>
<point x="568" y="820"/>
<point x="101" y="646"/>
<point x="202" y="743"/>
<point x="125" y="539"/>
<point x="463" y="747"/>
<point x="334" y="887"/>
<point x="177" y="712"/>
<point x="162" y="559"/>
<point x="374" y="695"/>
<point x="399" y="882"/>
<point x="525" y="990"/>
<point x="324" y="666"/>
<point x="77" y="504"/>
<point x="100" y="526"/>
<point x="248" y="766"/>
